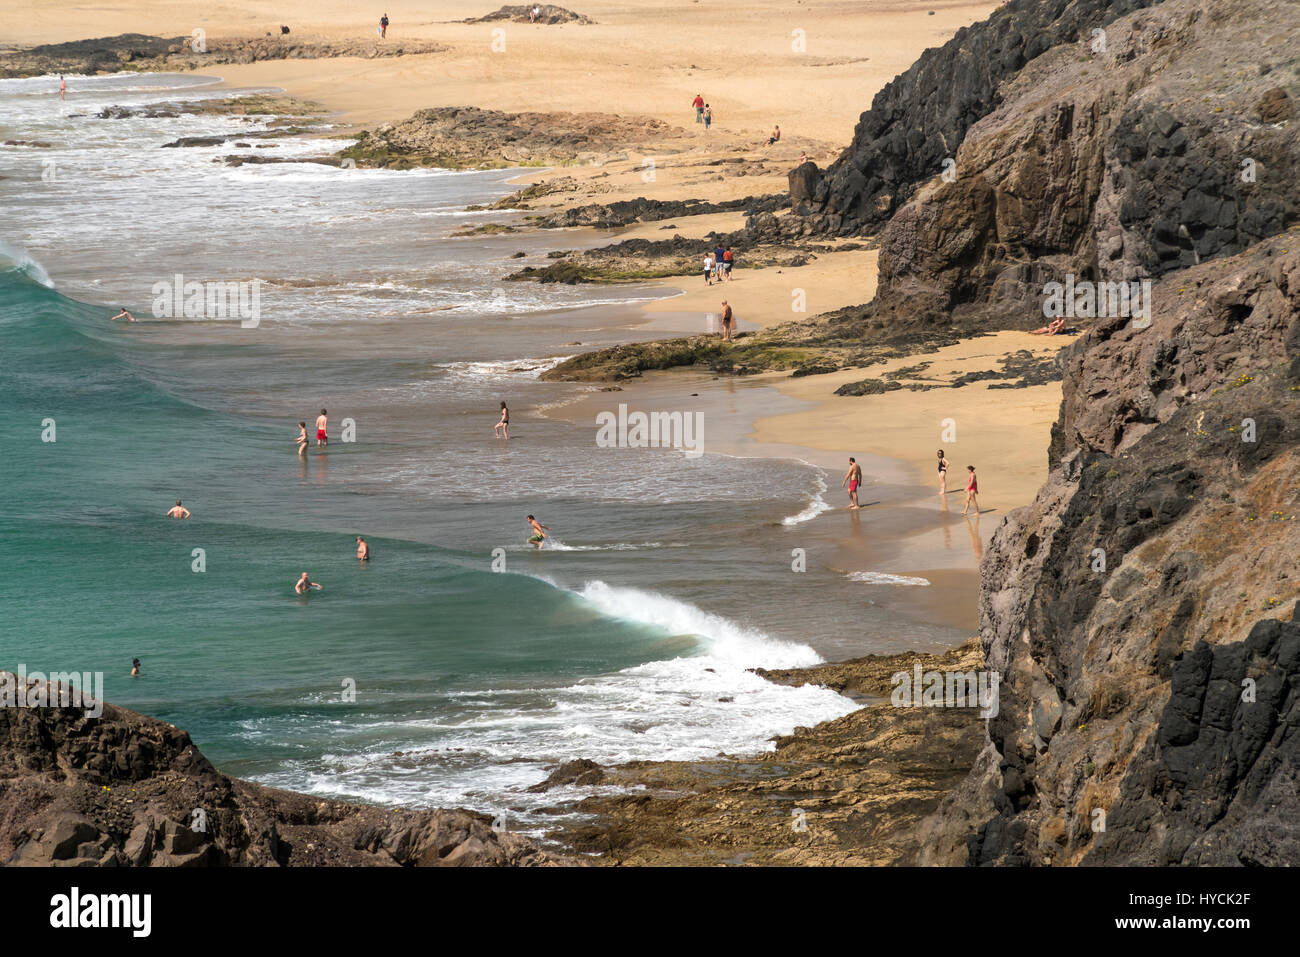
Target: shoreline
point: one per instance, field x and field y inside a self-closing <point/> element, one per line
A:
<point x="839" y="279"/>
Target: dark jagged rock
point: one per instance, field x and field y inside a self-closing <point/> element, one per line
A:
<point x="626" y="212"/>
<point x="1153" y="572"/>
<point x="868" y="387"/>
<point x="123" y="789"/>
<point x="1117" y="166"/>
<point x="1220" y="777"/>
<point x="921" y="117"/>
<point x="519" y="13"/>
<point x="581" y="772"/>
<point x="137" y="52"/>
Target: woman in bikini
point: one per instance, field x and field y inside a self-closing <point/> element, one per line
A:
<point x="972" y="489"/>
<point x="302" y="438"/>
<point x="943" y="474"/>
<point x="503" y="426"/>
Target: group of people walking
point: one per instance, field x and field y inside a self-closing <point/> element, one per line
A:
<point x="717" y="265"/>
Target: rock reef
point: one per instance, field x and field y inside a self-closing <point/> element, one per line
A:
<point x="123" y="790"/>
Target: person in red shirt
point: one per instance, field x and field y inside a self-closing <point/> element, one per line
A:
<point x="698" y="103"/>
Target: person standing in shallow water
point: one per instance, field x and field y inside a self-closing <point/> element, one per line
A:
<point x="972" y="490"/>
<point x="539" y="532"/>
<point x="322" y="424"/>
<point x="363" y="550"/>
<point x="728" y="321"/>
<point x="302" y="439"/>
<point x="943" y="474"/>
<point x="502" y="428"/>
<point x="853" y="478"/>
<point x="178" y="511"/>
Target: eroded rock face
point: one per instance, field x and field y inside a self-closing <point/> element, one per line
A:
<point x="922" y="116"/>
<point x="1111" y="166"/>
<point x="1154" y="571"/>
<point x="124" y="789"/>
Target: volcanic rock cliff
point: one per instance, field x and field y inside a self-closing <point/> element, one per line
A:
<point x="1141" y="609"/>
<point x="1165" y="140"/>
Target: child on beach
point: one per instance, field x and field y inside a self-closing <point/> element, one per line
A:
<point x="943" y="474"/>
<point x="503" y="427"/>
<point x="322" y="425"/>
<point x="972" y="489"/>
<point x="708" y="117"/>
<point x="708" y="269"/>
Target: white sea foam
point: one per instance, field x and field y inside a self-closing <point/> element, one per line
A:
<point x="816" y="505"/>
<point x="883" y="578"/>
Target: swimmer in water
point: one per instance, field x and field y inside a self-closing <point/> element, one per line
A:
<point x="124" y="315"/>
<point x="363" y="550"/>
<point x="135" y="667"/>
<point x="539" y="532"/>
<point x="178" y="511"/>
<point x="305" y="585"/>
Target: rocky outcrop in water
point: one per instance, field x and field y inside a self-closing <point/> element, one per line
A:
<point x="123" y="789"/>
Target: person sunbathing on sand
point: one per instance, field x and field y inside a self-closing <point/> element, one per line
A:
<point x="1051" y="329"/>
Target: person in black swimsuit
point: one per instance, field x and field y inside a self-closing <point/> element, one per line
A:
<point x="943" y="474"/>
<point x="504" y="425"/>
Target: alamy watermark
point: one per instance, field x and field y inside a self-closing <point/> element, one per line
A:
<point x="61" y="689"/>
<point x="946" y="689"/>
<point x="651" y="430"/>
<point x="1087" y="300"/>
<point x="176" y="298"/>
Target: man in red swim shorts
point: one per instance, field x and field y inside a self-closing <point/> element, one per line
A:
<point x="853" y="478"/>
<point x="322" y="423"/>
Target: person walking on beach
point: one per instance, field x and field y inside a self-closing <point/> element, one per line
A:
<point x="539" y="532"/>
<point x="943" y="474"/>
<point x="718" y="253"/>
<point x="853" y="478"/>
<point x="708" y="117"/>
<point x="383" y="26"/>
<point x="322" y="424"/>
<point x="698" y="103"/>
<point x="708" y="269"/>
<point x="178" y="511"/>
<point x="503" y="427"/>
<point x="123" y="315"/>
<point x="302" y="439"/>
<point x="363" y="550"/>
<point x="728" y="320"/>
<point x="972" y="490"/>
<point x="727" y="259"/>
<point x="305" y="584"/>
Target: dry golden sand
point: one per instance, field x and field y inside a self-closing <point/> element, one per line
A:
<point x="1002" y="432"/>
